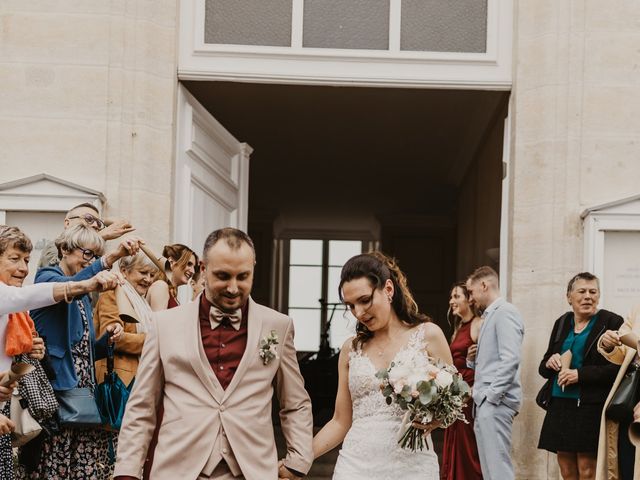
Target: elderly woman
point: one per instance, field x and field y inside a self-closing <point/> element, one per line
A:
<point x="15" y="250"/>
<point x="617" y="457"/>
<point x="68" y="328"/>
<point x="578" y="393"/>
<point x="139" y="272"/>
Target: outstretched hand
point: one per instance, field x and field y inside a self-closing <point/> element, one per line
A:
<point x="117" y="227"/>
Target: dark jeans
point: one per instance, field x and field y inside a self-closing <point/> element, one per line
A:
<point x="626" y="453"/>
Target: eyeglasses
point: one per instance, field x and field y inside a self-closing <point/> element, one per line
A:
<point x="87" y="254"/>
<point x="90" y="220"/>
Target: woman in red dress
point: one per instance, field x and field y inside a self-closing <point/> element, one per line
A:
<point x="181" y="265"/>
<point x="460" y="453"/>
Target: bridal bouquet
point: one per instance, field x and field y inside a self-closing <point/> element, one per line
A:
<point x="427" y="392"/>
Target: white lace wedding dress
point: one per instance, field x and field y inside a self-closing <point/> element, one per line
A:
<point x="370" y="450"/>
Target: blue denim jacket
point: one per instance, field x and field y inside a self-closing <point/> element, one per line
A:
<point x="61" y="325"/>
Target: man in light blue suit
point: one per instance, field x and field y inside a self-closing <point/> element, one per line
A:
<point x="497" y="393"/>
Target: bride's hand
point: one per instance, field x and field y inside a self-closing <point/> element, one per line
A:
<point x="427" y="428"/>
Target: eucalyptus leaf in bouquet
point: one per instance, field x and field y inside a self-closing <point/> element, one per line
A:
<point x="427" y="392"/>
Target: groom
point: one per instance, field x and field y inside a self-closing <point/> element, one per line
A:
<point x="496" y="390"/>
<point x="213" y="364"/>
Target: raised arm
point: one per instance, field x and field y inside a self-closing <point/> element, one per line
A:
<point x="333" y="433"/>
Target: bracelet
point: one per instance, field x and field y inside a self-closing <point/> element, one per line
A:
<point x="65" y="291"/>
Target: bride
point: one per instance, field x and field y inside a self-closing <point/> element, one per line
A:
<point x="389" y="329"/>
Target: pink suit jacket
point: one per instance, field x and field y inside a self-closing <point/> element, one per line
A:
<point x="198" y="412"/>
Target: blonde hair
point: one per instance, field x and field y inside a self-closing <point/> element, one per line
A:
<point x="79" y="236"/>
<point x="137" y="261"/>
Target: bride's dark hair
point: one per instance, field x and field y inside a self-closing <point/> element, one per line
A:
<point x="378" y="268"/>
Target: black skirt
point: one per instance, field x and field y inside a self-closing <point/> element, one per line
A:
<point x="568" y="427"/>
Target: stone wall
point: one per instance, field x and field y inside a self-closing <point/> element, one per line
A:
<point x="575" y="139"/>
<point x="88" y="96"/>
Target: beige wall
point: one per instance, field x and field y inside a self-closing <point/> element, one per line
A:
<point x="575" y="142"/>
<point x="88" y="96"/>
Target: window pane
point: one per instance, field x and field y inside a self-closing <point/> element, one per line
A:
<point x="307" y="325"/>
<point x="247" y="22"/>
<point x="362" y="24"/>
<point x="343" y="326"/>
<point x="305" y="286"/>
<point x="342" y="250"/>
<point x="305" y="252"/>
<point x="444" y="25"/>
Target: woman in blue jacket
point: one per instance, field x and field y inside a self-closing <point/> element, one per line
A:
<point x="68" y="329"/>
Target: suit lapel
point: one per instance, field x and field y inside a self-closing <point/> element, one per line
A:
<point x="196" y="354"/>
<point x="485" y="324"/>
<point x="254" y="327"/>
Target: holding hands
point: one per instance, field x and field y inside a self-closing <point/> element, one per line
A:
<point x="284" y="473"/>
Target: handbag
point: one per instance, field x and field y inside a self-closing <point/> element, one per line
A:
<point x="544" y="395"/>
<point x="27" y="428"/>
<point x="112" y="395"/>
<point x="77" y="406"/>
<point x="620" y="408"/>
<point x="35" y="388"/>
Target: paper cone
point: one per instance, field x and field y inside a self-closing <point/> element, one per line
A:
<point x="17" y="371"/>
<point x="630" y="339"/>
<point x="125" y="309"/>
<point x="634" y="434"/>
<point x="565" y="359"/>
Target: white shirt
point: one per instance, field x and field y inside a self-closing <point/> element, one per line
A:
<point x="19" y="299"/>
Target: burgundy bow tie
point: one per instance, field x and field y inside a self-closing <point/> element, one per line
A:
<point x="216" y="316"/>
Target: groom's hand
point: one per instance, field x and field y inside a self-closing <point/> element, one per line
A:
<point x="284" y="473"/>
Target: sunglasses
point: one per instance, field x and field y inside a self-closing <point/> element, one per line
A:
<point x="90" y="220"/>
<point x="87" y="254"/>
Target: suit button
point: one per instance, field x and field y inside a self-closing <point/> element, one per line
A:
<point x="222" y="408"/>
<point x="224" y="450"/>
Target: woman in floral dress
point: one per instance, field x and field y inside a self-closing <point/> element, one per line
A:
<point x="68" y="328"/>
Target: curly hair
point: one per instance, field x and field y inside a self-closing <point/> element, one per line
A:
<point x="13" y="237"/>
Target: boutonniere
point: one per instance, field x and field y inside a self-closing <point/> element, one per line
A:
<point x="268" y="349"/>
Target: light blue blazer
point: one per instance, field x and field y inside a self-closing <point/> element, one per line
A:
<point x="497" y="365"/>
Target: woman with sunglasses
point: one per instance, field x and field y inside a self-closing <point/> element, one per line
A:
<point x="71" y="341"/>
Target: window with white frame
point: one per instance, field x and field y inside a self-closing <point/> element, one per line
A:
<point x="612" y="252"/>
<point x="311" y="278"/>
<point x="375" y="25"/>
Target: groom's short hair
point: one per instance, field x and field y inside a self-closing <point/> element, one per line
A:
<point x="232" y="236"/>
<point x="485" y="273"/>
